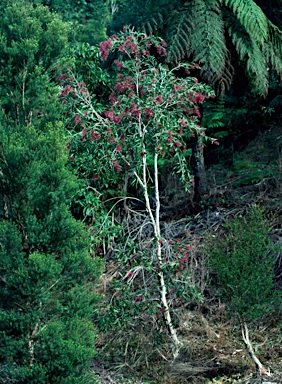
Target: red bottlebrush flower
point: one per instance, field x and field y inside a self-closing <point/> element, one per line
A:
<point x="169" y="140"/>
<point x="121" y="48"/>
<point x="202" y="148"/>
<point x="215" y="142"/>
<point x="110" y="115"/>
<point x="170" y="242"/>
<point x="85" y="114"/>
<point x="112" y="97"/>
<point x="122" y="137"/>
<point x="94" y="136"/>
<point x="170" y="291"/>
<point x="154" y="80"/>
<point x="103" y="310"/>
<point x="130" y="274"/>
<point x="148" y="43"/>
<point x="138" y="299"/>
<point x="163" y="43"/>
<point x="142" y="92"/>
<point x="188" y="247"/>
<point x="159" y="99"/>
<point x="199" y="98"/>
<point x="192" y="134"/>
<point x="148" y="113"/>
<point x="171" y="149"/>
<point x="177" y="88"/>
<point x="109" y="131"/>
<point x="105" y="48"/>
<point x="118" y="148"/>
<point x="133" y="48"/>
<point x="83" y="132"/>
<point x="62" y="77"/>
<point x="193" y="182"/>
<point x="149" y="86"/>
<point x="178" y="144"/>
<point x="184" y="148"/>
<point x="145" y="53"/>
<point x="81" y="83"/>
<point x="130" y="95"/>
<point x="119" y="64"/>
<point x="183" y="123"/>
<point x="117" y="120"/>
<point x="68" y="146"/>
<point x="169" y="99"/>
<point x="160" y="241"/>
<point x="134" y="109"/>
<point x="176" y="255"/>
<point x="180" y="131"/>
<point x="169" y="134"/>
<point x="81" y="123"/>
<point x="159" y="49"/>
<point x="95" y="177"/>
<point x="76" y="119"/>
<point x="195" y="80"/>
<point x="112" y="140"/>
<point x="197" y="112"/>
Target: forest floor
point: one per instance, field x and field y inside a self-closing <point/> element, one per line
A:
<point x="213" y="350"/>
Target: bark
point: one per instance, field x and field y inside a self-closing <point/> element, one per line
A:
<point x="198" y="169"/>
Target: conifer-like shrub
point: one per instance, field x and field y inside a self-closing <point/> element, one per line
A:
<point x="243" y="265"/>
<point x="47" y="277"/>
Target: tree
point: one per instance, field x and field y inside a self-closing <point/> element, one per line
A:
<point x="89" y="18"/>
<point x="47" y="277"/>
<point x="151" y="115"/>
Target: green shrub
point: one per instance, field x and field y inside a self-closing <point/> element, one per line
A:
<point x="244" y="265"/>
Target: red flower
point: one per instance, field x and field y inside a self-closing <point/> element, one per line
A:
<point x="183" y="123"/>
<point x="118" y="148"/>
<point x="159" y="99"/>
<point x="145" y="53"/>
<point x="215" y="142"/>
<point x="112" y="140"/>
<point x="83" y="133"/>
<point x="199" y="98"/>
<point x="130" y="95"/>
<point x="138" y="298"/>
<point x="178" y="144"/>
<point x="116" y="120"/>
<point x="119" y="64"/>
<point x="94" y="136"/>
<point x="76" y="119"/>
<point x="148" y="113"/>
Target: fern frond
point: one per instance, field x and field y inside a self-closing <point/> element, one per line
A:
<point x="208" y="44"/>
<point x="152" y="24"/>
<point x="178" y="35"/>
<point x="275" y="39"/>
<point x="249" y="52"/>
<point x="251" y="17"/>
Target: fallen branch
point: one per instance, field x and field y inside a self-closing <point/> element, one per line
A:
<point x="245" y="334"/>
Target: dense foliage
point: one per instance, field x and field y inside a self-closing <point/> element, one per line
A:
<point x="94" y="131"/>
<point x="47" y="276"/>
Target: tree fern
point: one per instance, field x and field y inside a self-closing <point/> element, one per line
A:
<point x="208" y="42"/>
<point x="249" y="53"/>
<point x="250" y="16"/>
<point x="196" y="29"/>
<point x="178" y="34"/>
